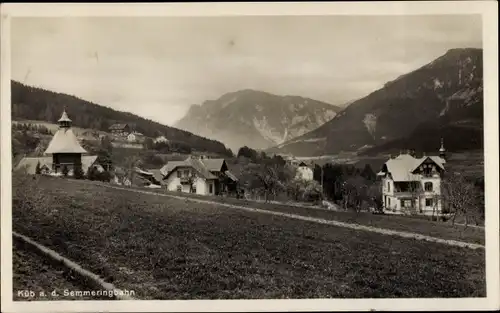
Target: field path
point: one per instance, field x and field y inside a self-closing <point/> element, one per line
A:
<point x="313" y="219"/>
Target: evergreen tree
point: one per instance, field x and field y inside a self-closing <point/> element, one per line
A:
<point x="38" y="169"/>
<point x="368" y="173"/>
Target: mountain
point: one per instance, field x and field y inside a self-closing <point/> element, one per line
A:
<point x="30" y="103"/>
<point x="441" y="99"/>
<point x="256" y="119"/>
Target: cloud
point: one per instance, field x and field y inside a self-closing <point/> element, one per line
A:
<point x="158" y="67"/>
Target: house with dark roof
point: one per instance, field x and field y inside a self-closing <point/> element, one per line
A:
<point x="65" y="153"/>
<point x="120" y="129"/>
<point x="412" y="185"/>
<point x="198" y="175"/>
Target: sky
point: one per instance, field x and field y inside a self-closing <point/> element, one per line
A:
<point x="157" y="67"/>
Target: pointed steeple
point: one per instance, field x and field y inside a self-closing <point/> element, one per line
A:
<point x="64" y="121"/>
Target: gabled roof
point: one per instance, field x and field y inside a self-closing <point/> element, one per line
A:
<point x="231" y="176"/>
<point x="156" y="174"/>
<point x="30" y="164"/>
<point x="437" y="160"/>
<point x="213" y="165"/>
<point x="64" y="141"/>
<point x="402" y="167"/>
<point x="196" y="164"/>
<point x="117" y="126"/>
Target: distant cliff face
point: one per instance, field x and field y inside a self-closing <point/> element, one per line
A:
<point x="256" y="119"/>
<point x="415" y="108"/>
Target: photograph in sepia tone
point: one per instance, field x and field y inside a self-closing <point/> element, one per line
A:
<point x="247" y="157"/>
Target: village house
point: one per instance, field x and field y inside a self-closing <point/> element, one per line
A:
<point x="66" y="153"/>
<point x="135" y="137"/>
<point x="304" y="172"/>
<point x="120" y="130"/>
<point x="412" y="185"/>
<point x="198" y="175"/>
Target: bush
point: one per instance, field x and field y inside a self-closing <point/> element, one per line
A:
<point x="78" y="173"/>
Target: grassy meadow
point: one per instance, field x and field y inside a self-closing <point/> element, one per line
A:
<point x="165" y="248"/>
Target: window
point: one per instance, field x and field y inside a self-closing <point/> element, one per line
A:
<point x="388" y="186"/>
<point x="186" y="173"/>
<point x="406" y="203"/>
<point x="193" y="188"/>
<point x="428" y="186"/>
<point x="179" y="174"/>
<point x="179" y="188"/>
<point x="210" y="188"/>
<point x="428" y="202"/>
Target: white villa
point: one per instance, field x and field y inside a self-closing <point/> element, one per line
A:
<point x="135" y="137"/>
<point x="198" y="175"/>
<point x="304" y="172"/>
<point x="412" y="185"/>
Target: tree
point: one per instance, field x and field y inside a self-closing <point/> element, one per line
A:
<point x="268" y="179"/>
<point x="296" y="188"/>
<point x="248" y="153"/>
<point x="191" y="180"/>
<point x="107" y="144"/>
<point x="368" y="173"/>
<point x="312" y="191"/>
<point x="148" y="143"/>
<point x="354" y="192"/>
<point x="38" y="170"/>
<point x="461" y="197"/>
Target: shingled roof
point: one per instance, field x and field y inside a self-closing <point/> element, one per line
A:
<point x="194" y="163"/>
<point x="213" y="165"/>
<point x="64" y="141"/>
<point x="117" y="126"/>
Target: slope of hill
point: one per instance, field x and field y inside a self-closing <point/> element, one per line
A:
<point x="30" y="103"/>
<point x="256" y="119"/>
<point x="437" y="100"/>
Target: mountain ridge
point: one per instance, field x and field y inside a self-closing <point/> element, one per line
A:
<point x="254" y="118"/>
<point x="446" y="90"/>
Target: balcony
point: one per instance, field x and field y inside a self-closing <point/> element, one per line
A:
<point x="184" y="180"/>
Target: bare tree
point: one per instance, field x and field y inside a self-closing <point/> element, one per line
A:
<point x="296" y="188"/>
<point x="131" y="162"/>
<point x="191" y="180"/>
<point x="461" y="197"/>
<point x="353" y="191"/>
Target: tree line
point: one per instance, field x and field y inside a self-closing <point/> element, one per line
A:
<point x="40" y="129"/>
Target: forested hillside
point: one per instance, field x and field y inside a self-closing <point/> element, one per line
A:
<point x="31" y="103"/>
